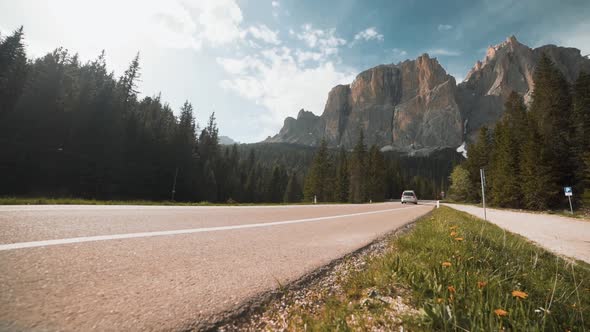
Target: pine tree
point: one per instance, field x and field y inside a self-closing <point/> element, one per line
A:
<point x="551" y="111"/>
<point x="503" y="172"/>
<point x="13" y="70"/>
<point x="319" y="182"/>
<point x="293" y="192"/>
<point x="209" y="193"/>
<point x="376" y="175"/>
<point x="128" y="82"/>
<point x="478" y="157"/>
<point x="515" y="117"/>
<point x="358" y="171"/>
<point x="509" y="134"/>
<point x="581" y="131"/>
<point x="534" y="175"/>
<point x="276" y="187"/>
<point x="209" y="140"/>
<point x="342" y="177"/>
<point x="184" y="151"/>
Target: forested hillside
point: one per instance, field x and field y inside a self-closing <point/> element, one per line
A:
<point x="530" y="155"/>
<point x="74" y="129"/>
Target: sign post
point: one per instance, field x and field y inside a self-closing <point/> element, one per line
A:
<point x="569" y="193"/>
<point x="482" y="175"/>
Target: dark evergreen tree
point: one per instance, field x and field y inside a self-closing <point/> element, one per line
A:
<point x="376" y="175"/>
<point x="580" y="145"/>
<point x="342" y="177"/>
<point x="128" y="82"/>
<point x="550" y="109"/>
<point x="509" y="134"/>
<point x="534" y="175"/>
<point x="277" y="185"/>
<point x="478" y="157"/>
<point x="319" y="182"/>
<point x="503" y="176"/>
<point x="293" y="192"/>
<point x="13" y="70"/>
<point x="185" y="143"/>
<point x="358" y="171"/>
<point x="209" y="140"/>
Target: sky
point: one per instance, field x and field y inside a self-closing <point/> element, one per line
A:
<point x="255" y="62"/>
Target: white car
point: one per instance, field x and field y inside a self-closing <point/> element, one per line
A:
<point x="409" y="196"/>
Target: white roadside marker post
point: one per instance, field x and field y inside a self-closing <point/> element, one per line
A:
<point x="437" y="204"/>
<point x="569" y="193"/>
<point x="482" y="175"/>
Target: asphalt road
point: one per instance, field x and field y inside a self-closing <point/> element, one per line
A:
<point x="115" y="268"/>
<point x="565" y="236"/>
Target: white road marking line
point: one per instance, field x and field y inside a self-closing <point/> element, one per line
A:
<point x="33" y="244"/>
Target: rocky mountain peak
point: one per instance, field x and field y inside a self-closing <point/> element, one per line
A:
<point x="509" y="46"/>
<point x="303" y="114"/>
<point x="508" y="66"/>
<point x="417" y="105"/>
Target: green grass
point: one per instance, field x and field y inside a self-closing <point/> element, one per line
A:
<point x="81" y="201"/>
<point x="558" y="290"/>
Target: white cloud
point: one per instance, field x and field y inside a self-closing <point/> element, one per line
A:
<point x="318" y="38"/>
<point x="240" y="66"/>
<point x="276" y="6"/>
<point x="190" y="24"/>
<point x="399" y="54"/>
<point x="444" y="27"/>
<point x="369" y="34"/>
<point x="321" y="45"/>
<point x="443" y="52"/>
<point x="219" y="20"/>
<point x="278" y="80"/>
<point x="262" y="32"/>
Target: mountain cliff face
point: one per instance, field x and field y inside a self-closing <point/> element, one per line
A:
<point x="509" y="67"/>
<point x="416" y="105"/>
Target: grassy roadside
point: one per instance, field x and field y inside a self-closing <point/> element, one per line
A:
<point x="81" y="201"/>
<point x="462" y="274"/>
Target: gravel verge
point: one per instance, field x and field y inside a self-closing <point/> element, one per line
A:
<point x="270" y="311"/>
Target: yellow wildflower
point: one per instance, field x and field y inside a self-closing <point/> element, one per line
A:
<point x="500" y="312"/>
<point x="519" y="294"/>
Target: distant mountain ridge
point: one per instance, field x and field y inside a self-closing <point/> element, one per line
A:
<point x="416" y="106"/>
<point x="226" y="140"/>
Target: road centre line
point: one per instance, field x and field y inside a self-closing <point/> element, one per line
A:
<point x="45" y="243"/>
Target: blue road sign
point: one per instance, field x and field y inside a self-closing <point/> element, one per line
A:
<point x="568" y="191"/>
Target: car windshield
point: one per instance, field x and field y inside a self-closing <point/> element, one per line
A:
<point x="408" y="193"/>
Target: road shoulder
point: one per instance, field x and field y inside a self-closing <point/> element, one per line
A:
<point x="568" y="237"/>
<point x="270" y="310"/>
